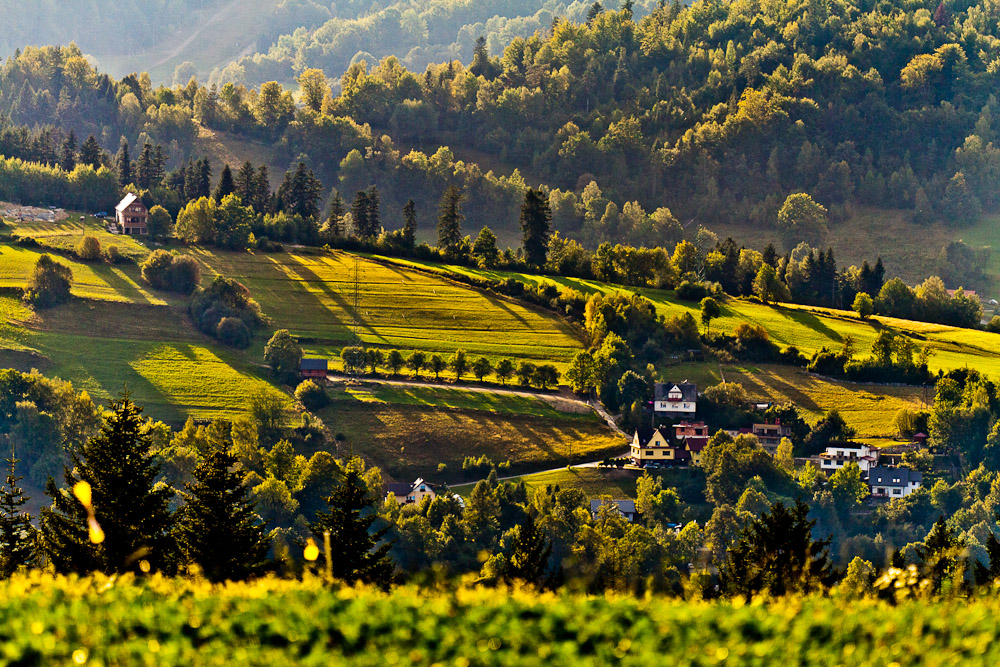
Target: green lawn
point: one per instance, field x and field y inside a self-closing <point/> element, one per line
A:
<point x="594" y="482"/>
<point x="65" y="234"/>
<point x="455" y="399"/>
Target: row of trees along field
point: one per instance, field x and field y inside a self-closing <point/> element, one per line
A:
<point x="220" y="500"/>
<point x="697" y="111"/>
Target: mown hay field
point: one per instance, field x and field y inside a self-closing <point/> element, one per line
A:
<point x="65" y="234"/>
<point x="162" y="621"/>
<point x="313" y="295"/>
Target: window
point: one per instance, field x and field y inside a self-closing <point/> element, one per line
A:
<point x="896" y="492"/>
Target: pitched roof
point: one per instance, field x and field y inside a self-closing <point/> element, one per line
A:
<point x="689" y="391"/>
<point x="624" y="506"/>
<point x="312" y="364"/>
<point x="397" y="488"/>
<point x="126" y="202"/>
<point x="696" y="443"/>
<point x="888" y="476"/>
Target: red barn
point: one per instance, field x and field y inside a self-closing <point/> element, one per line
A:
<point x="313" y="368"/>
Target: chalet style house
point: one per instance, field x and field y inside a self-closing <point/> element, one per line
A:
<point x="652" y="448"/>
<point x="675" y="400"/>
<point x="769" y="435"/>
<point x="626" y="508"/>
<point x="407" y="494"/>
<point x="131" y="216"/>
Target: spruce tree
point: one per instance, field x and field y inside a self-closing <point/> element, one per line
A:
<point x="68" y="160"/>
<point x="17" y="535"/>
<point x="132" y="512"/>
<point x="529" y="559"/>
<point x="144" y="167"/>
<point x="246" y="184"/>
<point x="262" y="199"/>
<point x="374" y="211"/>
<point x="410" y="224"/>
<point x="204" y="178"/>
<point x="226" y="186"/>
<point x="335" y="214"/>
<point x="536" y="223"/>
<point x="218" y="529"/>
<point x="450" y="221"/>
<point x="123" y="164"/>
<point x="90" y="152"/>
<point x="359" y="214"/>
<point x="355" y="552"/>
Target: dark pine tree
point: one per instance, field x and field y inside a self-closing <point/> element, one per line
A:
<point x="144" y="167"/>
<point x="335" y="214"/>
<point x="529" y="559"/>
<point x="159" y="167"/>
<point x="300" y="192"/>
<point x="594" y="11"/>
<point x="262" y="201"/>
<point x="132" y="512"/>
<point x="536" y="224"/>
<point x="374" y="211"/>
<point x="123" y="164"/>
<point x="450" y="221"/>
<point x="191" y="181"/>
<point x="481" y="65"/>
<point x="226" y="186"/>
<point x="68" y="159"/>
<point x="410" y="224"/>
<point x="770" y="256"/>
<point x="17" y="535"/>
<point x="359" y="214"/>
<point x="204" y="178"/>
<point x="777" y="554"/>
<point x="218" y="529"/>
<point x="355" y="549"/>
<point x="91" y="153"/>
<point x="245" y="183"/>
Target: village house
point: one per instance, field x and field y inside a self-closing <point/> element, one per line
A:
<point x="131" y="216"/>
<point x="624" y="507"/>
<point x="893" y="482"/>
<point x="693" y="437"/>
<point x="312" y="368"/>
<point x="407" y="494"/>
<point x="837" y="456"/>
<point x="651" y="447"/>
<point x="769" y="435"/>
<point x="675" y="400"/>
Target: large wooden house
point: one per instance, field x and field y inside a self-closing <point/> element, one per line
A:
<point x="131" y="216"/>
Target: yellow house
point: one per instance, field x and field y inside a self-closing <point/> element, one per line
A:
<point x="650" y="446"/>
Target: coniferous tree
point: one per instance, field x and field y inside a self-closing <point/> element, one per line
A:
<point x="481" y="65"/>
<point x="450" y="221"/>
<point x="335" y="215"/>
<point x="159" y="167"/>
<point x="359" y="214"/>
<point x="191" y="181"/>
<point x="374" y="211"/>
<point x="91" y="153"/>
<point x="776" y="554"/>
<point x="218" y="529"/>
<point x="204" y="177"/>
<point x="68" y="159"/>
<point x="529" y="558"/>
<point x="410" y="224"/>
<point x="245" y="184"/>
<point x="536" y="223"/>
<point x="144" y="167"/>
<point x="123" y="165"/>
<point x="300" y="192"/>
<point x="355" y="549"/>
<point x="17" y="535"/>
<point x="131" y="511"/>
<point x="262" y="202"/>
<point x="226" y="186"/>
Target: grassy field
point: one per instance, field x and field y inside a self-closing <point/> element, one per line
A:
<point x="594" y="482"/>
<point x="867" y="408"/>
<point x="313" y="296"/>
<point x="808" y="329"/>
<point x="65" y="234"/>
<point x="408" y="439"/>
<point x="101" y="621"/>
<point x="106" y="347"/>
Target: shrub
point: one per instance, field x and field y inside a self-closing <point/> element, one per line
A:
<point x="112" y="255"/>
<point x="994" y="324"/>
<point x="311" y="395"/>
<point x="49" y="283"/>
<point x="184" y="274"/>
<point x="224" y="298"/>
<point x="691" y="291"/>
<point x="232" y="331"/>
<point x="156" y="267"/>
<point x="88" y="249"/>
<point x="283" y="354"/>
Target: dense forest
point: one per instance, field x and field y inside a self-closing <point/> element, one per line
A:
<point x="714" y="113"/>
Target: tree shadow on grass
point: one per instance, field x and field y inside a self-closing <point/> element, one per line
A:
<point x="811" y="321"/>
<point x="115" y="279"/>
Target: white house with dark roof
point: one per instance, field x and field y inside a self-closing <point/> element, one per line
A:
<point x="624" y="507"/>
<point x="837" y="456"/>
<point x="893" y="482"/>
<point x="675" y="399"/>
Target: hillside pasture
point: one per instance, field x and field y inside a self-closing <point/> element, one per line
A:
<point x="63" y="235"/>
<point x="407" y="440"/>
<point x="313" y="296"/>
